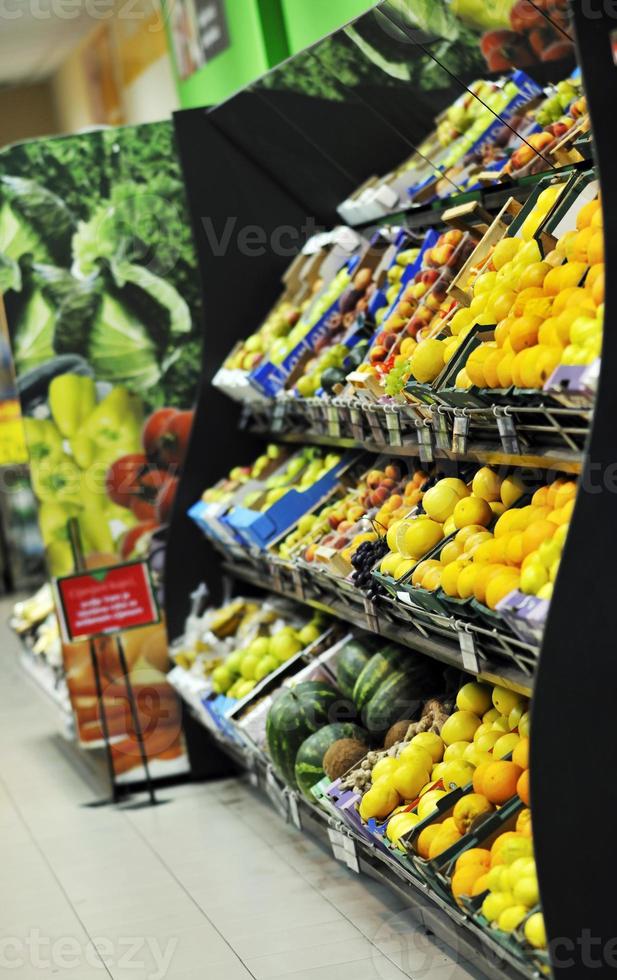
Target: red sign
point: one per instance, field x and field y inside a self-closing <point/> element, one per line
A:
<point x="107" y="600"/>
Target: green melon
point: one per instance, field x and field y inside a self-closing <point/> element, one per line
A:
<point x="375" y="672"/>
<point x="309" y="760"/>
<point x="352" y="660"/>
<point x="297" y="713"/>
<point x="399" y="696"/>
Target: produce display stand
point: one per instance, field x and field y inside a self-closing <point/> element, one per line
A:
<point x="262" y="159"/>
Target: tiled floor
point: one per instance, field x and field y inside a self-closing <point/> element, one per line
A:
<point x="211" y="886"/>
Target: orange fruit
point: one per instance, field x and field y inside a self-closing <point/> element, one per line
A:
<point x="523" y="823"/>
<point x="464" y="880"/>
<point x="522" y="787"/>
<point x="563" y="277"/>
<point x="587" y="213"/>
<point x="468" y="809"/>
<point x="539" y="498"/>
<point x="597" y="291"/>
<point x="524" y="332"/>
<point x="520" y="756"/>
<point x="501" y="586"/>
<point x="503" y="304"/>
<point x="478" y="778"/>
<point x="504" y="369"/>
<point x="594" y="274"/>
<point x="473" y="857"/>
<point x="567" y="297"/>
<point x="524" y="297"/>
<point x="425" y="839"/>
<point x="491" y="368"/>
<point x="480" y="886"/>
<point x="442" y="841"/>
<point x="475" y="364"/>
<point x="580" y="245"/>
<point x="500" y="781"/>
<point x="536" y="534"/>
<point x="595" y="248"/>
<point x="502" y="330"/>
<point x="534" y="275"/>
<point x="514" y="550"/>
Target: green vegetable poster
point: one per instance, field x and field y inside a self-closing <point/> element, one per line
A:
<point x="102" y="296"/>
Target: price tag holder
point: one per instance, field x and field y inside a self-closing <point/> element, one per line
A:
<point x="251" y="770"/>
<point x="277" y="795"/>
<point x="344" y="850"/>
<point x="294" y="810"/>
<point x="334" y="422"/>
<point x="376" y="429"/>
<point x="357" y="423"/>
<point x="507" y="434"/>
<point x="245" y="417"/>
<point x="460" y="434"/>
<point x="277" y="581"/>
<point x="425" y="443"/>
<point x="393" y="422"/>
<point x="278" y="417"/>
<point x="468" y="651"/>
<point x="370" y="610"/>
<point x="440" y="431"/>
<point x="297" y="583"/>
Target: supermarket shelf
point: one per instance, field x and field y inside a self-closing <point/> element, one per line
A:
<point x="519" y="680"/>
<point x="469" y="942"/>
<point x="51" y="684"/>
<point x="562" y="461"/>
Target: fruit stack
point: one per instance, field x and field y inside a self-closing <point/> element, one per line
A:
<point x="549" y="312"/>
<point x="249" y="664"/>
<point x="421" y="769"/>
<point x="362" y="516"/>
<point x="523" y="552"/>
<point x="262" y="467"/>
<point x="279" y="324"/>
<point x="398" y="349"/>
<point x="448" y="507"/>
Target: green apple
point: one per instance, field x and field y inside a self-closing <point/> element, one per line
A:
<point x="308" y="634"/>
<point x="260" y="647"/>
<point x="583" y="329"/>
<point x="222" y="679"/>
<point x="244" y="688"/>
<point x="234" y="661"/>
<point x="284" y="647"/>
<point x="249" y="666"/>
<point x="266" y="666"/>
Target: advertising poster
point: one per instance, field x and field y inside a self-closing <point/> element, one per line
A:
<point x="102" y="302"/>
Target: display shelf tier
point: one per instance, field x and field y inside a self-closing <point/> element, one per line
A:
<point x="515" y="673"/>
<point x="544" y="436"/>
<point x="470" y="944"/>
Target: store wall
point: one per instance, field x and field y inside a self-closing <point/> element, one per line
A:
<point x="119" y="74"/>
<point x="27" y="111"/>
<point x="306" y="23"/>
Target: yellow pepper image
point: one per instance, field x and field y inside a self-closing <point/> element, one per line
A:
<point x="72" y="399"/>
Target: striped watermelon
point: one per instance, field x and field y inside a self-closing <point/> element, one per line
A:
<point x="378" y="668"/>
<point x="297" y="713"/>
<point x="399" y="696"/>
<point x="351" y="662"/>
<point x="309" y="760"/>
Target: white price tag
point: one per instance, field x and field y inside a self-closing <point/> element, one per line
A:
<point x="294" y="810"/>
<point x="468" y="651"/>
<point x="334" y="422"/>
<point x="344" y="850"/>
<point x="405" y="598"/>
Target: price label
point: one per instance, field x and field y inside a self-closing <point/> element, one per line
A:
<point x="370" y="610"/>
<point x="440" y="431"/>
<point x="460" y="434"/>
<point x="344" y="850"/>
<point x="294" y="811"/>
<point x="507" y="434"/>
<point x="425" y="443"/>
<point x="334" y="422"/>
<point x="357" y="423"/>
<point x="277" y="582"/>
<point x="278" y="417"/>
<point x="468" y="651"/>
<point x="277" y="794"/>
<point x="393" y="423"/>
<point x="297" y="583"/>
<point x="376" y="429"/>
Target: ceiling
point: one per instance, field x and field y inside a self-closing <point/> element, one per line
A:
<point x="37" y="35"/>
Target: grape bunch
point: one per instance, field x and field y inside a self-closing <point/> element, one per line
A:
<point x="365" y="558"/>
<point x="398" y="377"/>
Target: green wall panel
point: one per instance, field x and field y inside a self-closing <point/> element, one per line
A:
<point x="309" y="20"/>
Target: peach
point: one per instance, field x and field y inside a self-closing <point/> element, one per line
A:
<point x="374" y="478"/>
